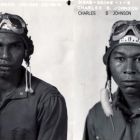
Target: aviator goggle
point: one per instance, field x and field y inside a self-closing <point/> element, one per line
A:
<point x="12" y="23"/>
<point x="120" y="29"/>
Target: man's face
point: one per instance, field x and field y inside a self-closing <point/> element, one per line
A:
<point x="11" y="53"/>
<point x="125" y="68"/>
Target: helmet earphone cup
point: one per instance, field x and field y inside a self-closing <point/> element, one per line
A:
<point x="29" y="48"/>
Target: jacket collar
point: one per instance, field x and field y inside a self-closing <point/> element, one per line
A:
<point x="120" y="102"/>
<point x="118" y="119"/>
<point x="19" y="92"/>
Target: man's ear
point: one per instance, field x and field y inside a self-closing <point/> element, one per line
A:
<point x="26" y="53"/>
<point x="106" y="48"/>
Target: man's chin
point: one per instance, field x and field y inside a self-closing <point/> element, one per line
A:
<point x="131" y="90"/>
<point x="5" y="74"/>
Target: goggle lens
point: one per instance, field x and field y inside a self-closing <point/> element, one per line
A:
<point x="119" y="29"/>
<point x="15" y="22"/>
<point x="138" y="27"/>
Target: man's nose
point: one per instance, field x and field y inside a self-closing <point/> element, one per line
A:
<point x="5" y="53"/>
<point x="130" y="67"/>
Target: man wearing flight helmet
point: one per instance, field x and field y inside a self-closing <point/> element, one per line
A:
<point x="117" y="116"/>
<point x="30" y="109"/>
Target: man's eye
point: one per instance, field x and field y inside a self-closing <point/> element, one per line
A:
<point x="16" y="45"/>
<point x="138" y="59"/>
<point x="121" y="59"/>
<point x="1" y="45"/>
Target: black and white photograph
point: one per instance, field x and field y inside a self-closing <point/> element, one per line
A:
<point x="69" y="70"/>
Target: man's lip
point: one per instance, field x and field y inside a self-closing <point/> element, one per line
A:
<point x="130" y="82"/>
<point x="5" y="67"/>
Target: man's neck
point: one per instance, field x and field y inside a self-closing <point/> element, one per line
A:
<point x="133" y="100"/>
<point x="9" y="83"/>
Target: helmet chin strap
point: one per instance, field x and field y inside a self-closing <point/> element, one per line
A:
<point x="106" y="99"/>
<point x="28" y="79"/>
<point x="107" y="105"/>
